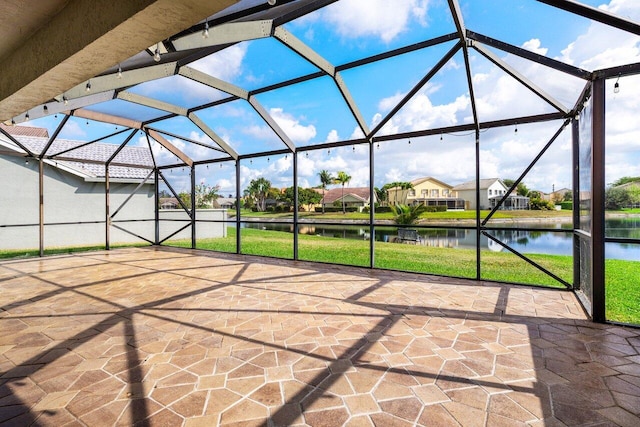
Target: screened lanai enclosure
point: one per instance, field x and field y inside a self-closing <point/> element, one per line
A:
<point x="542" y="95"/>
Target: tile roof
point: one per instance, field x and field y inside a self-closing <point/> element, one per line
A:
<point x="25" y="131"/>
<point x="336" y="194"/>
<point x="97" y="152"/>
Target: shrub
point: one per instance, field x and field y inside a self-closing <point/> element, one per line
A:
<point x="339" y="209"/>
<point x="537" y="204"/>
<point x="616" y="198"/>
<point x="567" y="205"/>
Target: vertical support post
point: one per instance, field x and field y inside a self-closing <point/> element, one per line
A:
<point x="107" y="212"/>
<point x="295" y="205"/>
<point x="157" y="208"/>
<point x="41" y="205"/>
<point x="372" y="207"/>
<point x="238" y="248"/>
<point x="597" y="200"/>
<point x="193" y="206"/>
<point x="478" y="223"/>
<point x="575" y="161"/>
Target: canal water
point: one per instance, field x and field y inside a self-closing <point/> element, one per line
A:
<point x="539" y="241"/>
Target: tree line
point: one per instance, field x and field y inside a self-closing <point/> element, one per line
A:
<point x="260" y="190"/>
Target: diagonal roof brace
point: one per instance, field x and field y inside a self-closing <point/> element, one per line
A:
<point x="169" y="146"/>
<point x="454" y="6"/>
<point x="152" y="103"/>
<point x="213" y="82"/>
<point x="531" y="56"/>
<point x="214" y="136"/>
<point x="272" y="124"/>
<point x="303" y="50"/>
<point x="595" y="14"/>
<point x="316" y="59"/>
<point x="351" y="103"/>
<point x="106" y="118"/>
<point x="522" y="79"/>
<point x="443" y="61"/>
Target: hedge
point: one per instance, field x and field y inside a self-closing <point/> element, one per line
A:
<point x="339" y="209"/>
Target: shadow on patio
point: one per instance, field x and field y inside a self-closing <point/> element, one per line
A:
<point x="184" y="337"/>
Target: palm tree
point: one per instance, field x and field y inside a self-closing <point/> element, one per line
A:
<point x="325" y="179"/>
<point x="403" y="186"/>
<point x="342" y="179"/>
<point x="407" y="215"/>
<point x="258" y="191"/>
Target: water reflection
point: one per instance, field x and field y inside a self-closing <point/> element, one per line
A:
<point x="538" y="241"/>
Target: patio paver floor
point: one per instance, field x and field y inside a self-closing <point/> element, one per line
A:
<point x="162" y="336"/>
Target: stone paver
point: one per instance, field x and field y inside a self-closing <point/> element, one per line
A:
<point x="182" y="337"/>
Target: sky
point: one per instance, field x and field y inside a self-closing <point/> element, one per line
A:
<point x="314" y="112"/>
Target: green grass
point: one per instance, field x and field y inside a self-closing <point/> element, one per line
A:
<point x="622" y="277"/>
<point x="26" y="253"/>
<point x="499" y="266"/>
<point x="629" y="211"/>
<point x="622" y="287"/>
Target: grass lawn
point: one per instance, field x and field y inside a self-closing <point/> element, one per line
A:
<point x="622" y="277"/>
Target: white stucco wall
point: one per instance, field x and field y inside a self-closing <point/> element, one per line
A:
<point x="172" y="220"/>
<point x="68" y="198"/>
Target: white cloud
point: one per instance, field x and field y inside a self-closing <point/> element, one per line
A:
<point x="226" y="186"/>
<point x="420" y="113"/>
<point x="72" y="130"/>
<point x="291" y="126"/>
<point x="602" y="46"/>
<point x="333" y="136"/>
<point x="226" y="64"/>
<point x="533" y="45"/>
<point x="379" y="18"/>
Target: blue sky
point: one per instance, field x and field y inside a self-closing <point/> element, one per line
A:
<point x="313" y="112"/>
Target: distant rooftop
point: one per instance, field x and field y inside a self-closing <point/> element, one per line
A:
<point x="35" y="139"/>
<point x="25" y="131"/>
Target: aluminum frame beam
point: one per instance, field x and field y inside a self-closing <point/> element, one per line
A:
<point x="230" y="33"/>
<point x="211" y="134"/>
<point x="106" y="118"/>
<point x="262" y="112"/>
<point x="531" y="56"/>
<point x="152" y="103"/>
<point x="129" y="78"/>
<point x="192" y="141"/>
<point x="595" y="14"/>
<point x="169" y="146"/>
<point x="520" y="78"/>
<point x="214" y="82"/>
<point x="295" y="44"/>
<point x="416" y="88"/>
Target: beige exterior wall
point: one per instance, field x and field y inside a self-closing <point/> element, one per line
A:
<point x="429" y="189"/>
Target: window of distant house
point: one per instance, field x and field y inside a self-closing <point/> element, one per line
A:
<point x="435" y="192"/>
<point x="490" y="192"/>
<point x="445" y="193"/>
<point x="412" y="193"/>
<point x="424" y="193"/>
